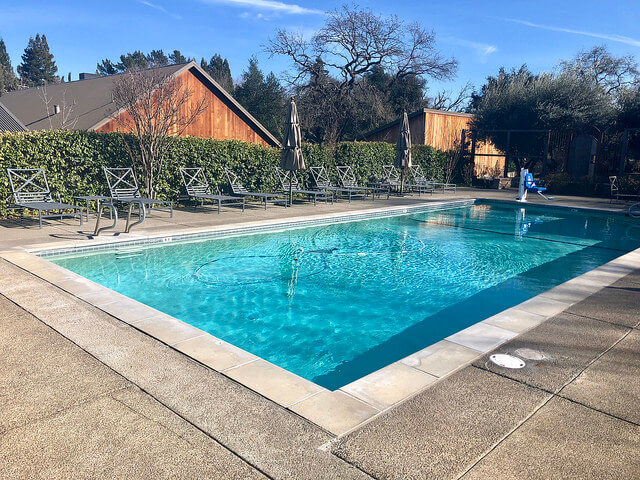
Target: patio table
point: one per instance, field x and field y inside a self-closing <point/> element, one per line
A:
<point x="93" y="198"/>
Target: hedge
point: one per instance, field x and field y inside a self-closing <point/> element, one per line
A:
<point x="73" y="161"/>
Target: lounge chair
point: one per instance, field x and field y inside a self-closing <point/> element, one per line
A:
<point x="198" y="188"/>
<point x="615" y="191"/>
<point x="124" y="190"/>
<point x="445" y="186"/>
<point x="315" y="195"/>
<point x="31" y="190"/>
<point x="348" y="180"/>
<point x="419" y="180"/>
<point x="392" y="179"/>
<point x="238" y="189"/>
<point x="322" y="181"/>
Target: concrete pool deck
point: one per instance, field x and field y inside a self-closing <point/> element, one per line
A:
<point x="186" y="396"/>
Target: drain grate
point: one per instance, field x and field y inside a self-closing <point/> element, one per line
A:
<point x="507" y="361"/>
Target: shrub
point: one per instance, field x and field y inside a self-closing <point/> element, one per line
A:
<point x="73" y="161"/>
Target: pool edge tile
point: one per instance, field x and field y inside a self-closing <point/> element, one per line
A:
<point x="441" y="358"/>
<point x="214" y="352"/>
<point x="389" y="385"/>
<point x="335" y="411"/>
<point x="481" y="337"/>
<point x="276" y="383"/>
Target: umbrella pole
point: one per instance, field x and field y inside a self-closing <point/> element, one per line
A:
<point x="290" y="189"/>
<point x="402" y="181"/>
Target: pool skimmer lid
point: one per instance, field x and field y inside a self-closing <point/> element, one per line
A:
<point x="507" y="361"/>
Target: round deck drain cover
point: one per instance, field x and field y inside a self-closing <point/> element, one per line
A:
<point x="530" y="354"/>
<point x="507" y="361"/>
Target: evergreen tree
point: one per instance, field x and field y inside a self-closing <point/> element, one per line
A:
<point x="157" y="58"/>
<point x="133" y="62"/>
<point x="219" y="69"/>
<point x="106" y="67"/>
<point x="177" y="57"/>
<point x="139" y="61"/>
<point x="8" y="80"/>
<point x="263" y="97"/>
<point x="38" y="67"/>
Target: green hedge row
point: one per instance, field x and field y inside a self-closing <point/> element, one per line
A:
<point x="73" y="161"/>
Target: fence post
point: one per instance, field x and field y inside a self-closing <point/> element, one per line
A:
<point x="474" y="135"/>
<point x="623" y="153"/>
<point x="547" y="141"/>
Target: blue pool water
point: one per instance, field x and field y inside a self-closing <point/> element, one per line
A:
<point x="335" y="302"/>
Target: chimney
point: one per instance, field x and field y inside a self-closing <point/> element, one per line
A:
<point x="56" y="109"/>
<point x="87" y="76"/>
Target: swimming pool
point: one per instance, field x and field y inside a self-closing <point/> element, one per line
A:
<point x="335" y="302"/>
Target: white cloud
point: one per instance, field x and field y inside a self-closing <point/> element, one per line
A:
<point x="160" y="8"/>
<point x="270" y="5"/>
<point x="606" y="36"/>
<point x="483" y="49"/>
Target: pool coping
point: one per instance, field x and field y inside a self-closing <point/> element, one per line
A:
<point x="349" y="407"/>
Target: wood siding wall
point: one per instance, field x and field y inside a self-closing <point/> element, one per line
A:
<point x="221" y="120"/>
<point x="443" y="130"/>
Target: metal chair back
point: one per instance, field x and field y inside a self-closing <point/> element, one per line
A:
<point x="347" y="177"/>
<point x="195" y="182"/>
<point x="236" y="186"/>
<point x="284" y="176"/>
<point x="29" y="185"/>
<point x="122" y="183"/>
<point x="418" y="175"/>
<point x="613" y="184"/>
<point x="391" y="174"/>
<point x="321" y="177"/>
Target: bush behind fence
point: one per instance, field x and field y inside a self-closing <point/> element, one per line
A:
<point x="73" y="161"/>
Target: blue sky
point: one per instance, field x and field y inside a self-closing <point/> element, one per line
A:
<point x="483" y="36"/>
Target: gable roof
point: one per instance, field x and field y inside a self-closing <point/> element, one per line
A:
<point x="422" y="111"/>
<point x="92" y="106"/>
<point x="8" y="121"/>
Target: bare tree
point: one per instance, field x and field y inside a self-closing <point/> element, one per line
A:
<point x="353" y="41"/>
<point x="613" y="74"/>
<point x="447" y="100"/>
<point x="351" y="45"/>
<point x="65" y="109"/>
<point x="156" y="108"/>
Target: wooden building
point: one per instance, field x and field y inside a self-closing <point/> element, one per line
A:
<point x="445" y="131"/>
<point x="87" y="104"/>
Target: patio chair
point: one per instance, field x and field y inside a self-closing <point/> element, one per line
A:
<point x="615" y="191"/>
<point x="323" y="182"/>
<point x="348" y="180"/>
<point x="391" y="176"/>
<point x="30" y="189"/>
<point x="239" y="189"/>
<point x="198" y="188"/>
<point x="419" y="180"/>
<point x="124" y="190"/>
<point x="315" y="195"/>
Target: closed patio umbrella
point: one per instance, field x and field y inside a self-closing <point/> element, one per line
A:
<point x="292" y="159"/>
<point x="403" y="149"/>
